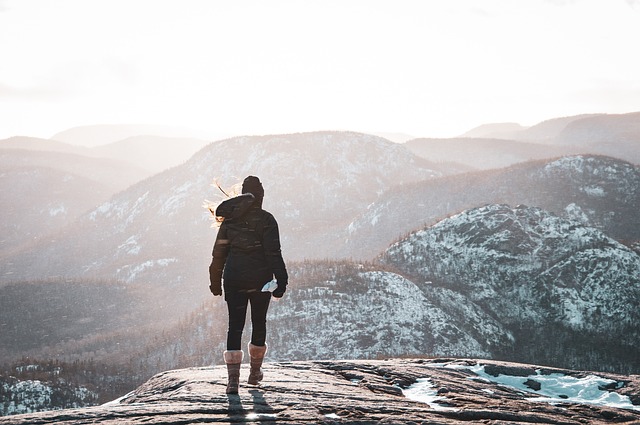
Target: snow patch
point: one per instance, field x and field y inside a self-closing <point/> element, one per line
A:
<point x="130" y="272"/>
<point x="560" y="388"/>
<point x="595" y="191"/>
<point x="34" y="396"/>
<point x="257" y="416"/>
<point x="131" y="245"/>
<point x="424" y="391"/>
<point x="57" y="210"/>
<point x="177" y="201"/>
<point x="576" y="213"/>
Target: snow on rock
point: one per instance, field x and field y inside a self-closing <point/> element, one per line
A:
<point x="598" y="175"/>
<point x="34" y="396"/>
<point x="425" y="391"/>
<point x="561" y="388"/>
<point x="131" y="246"/>
<point x="363" y="314"/>
<point x="551" y="265"/>
<point x="129" y="273"/>
<point x="58" y="209"/>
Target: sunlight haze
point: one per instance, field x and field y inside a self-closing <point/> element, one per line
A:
<point x="423" y="68"/>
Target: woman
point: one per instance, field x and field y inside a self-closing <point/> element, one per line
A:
<point x="246" y="255"/>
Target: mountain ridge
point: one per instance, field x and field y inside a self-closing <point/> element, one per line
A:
<point x="331" y="163"/>
<point x="593" y="189"/>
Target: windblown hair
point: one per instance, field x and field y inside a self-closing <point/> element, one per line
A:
<point x="234" y="190"/>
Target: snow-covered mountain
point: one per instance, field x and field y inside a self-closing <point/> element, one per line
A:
<point x="600" y="191"/>
<point x="35" y="396"/>
<point x="498" y="282"/>
<point x="157" y="231"/>
<point x="535" y="273"/>
<point x="373" y="313"/>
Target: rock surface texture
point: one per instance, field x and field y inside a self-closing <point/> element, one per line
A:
<point x="407" y="391"/>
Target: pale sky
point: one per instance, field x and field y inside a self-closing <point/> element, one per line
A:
<point x="420" y="67"/>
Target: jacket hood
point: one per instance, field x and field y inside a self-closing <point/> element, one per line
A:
<point x="237" y="206"/>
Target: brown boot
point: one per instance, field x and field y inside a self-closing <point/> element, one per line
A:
<point x="257" y="355"/>
<point x="233" y="359"/>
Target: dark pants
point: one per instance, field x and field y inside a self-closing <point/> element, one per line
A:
<point x="237" y="302"/>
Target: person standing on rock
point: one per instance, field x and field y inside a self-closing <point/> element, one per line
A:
<point x="247" y="256"/>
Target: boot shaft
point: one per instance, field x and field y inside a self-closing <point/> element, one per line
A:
<point x="233" y="359"/>
<point x="256" y="353"/>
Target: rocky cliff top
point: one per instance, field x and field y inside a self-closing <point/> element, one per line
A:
<point x="442" y="391"/>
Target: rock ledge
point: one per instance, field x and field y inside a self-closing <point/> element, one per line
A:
<point x="359" y="391"/>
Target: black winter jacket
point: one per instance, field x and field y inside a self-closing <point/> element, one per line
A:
<point x="246" y="253"/>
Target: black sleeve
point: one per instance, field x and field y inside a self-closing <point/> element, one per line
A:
<point x="272" y="252"/>
<point x="220" y="252"/>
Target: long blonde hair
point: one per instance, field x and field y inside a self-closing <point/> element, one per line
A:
<point x="234" y="190"/>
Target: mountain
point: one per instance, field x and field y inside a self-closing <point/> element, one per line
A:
<point x="495" y="282"/>
<point x="543" y="132"/>
<point x="37" y="144"/>
<point x="505" y="130"/>
<point x="547" y="131"/>
<point x="38" y="201"/>
<point x="615" y="135"/>
<point x="601" y="191"/>
<point x="394" y="137"/>
<point x="483" y="154"/>
<point x="43" y="192"/>
<point x="563" y="290"/>
<point x="98" y="135"/>
<point x="399" y="391"/>
<point x="152" y="153"/>
<point x="112" y="173"/>
<point x="157" y="230"/>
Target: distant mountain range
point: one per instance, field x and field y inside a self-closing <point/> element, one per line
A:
<point x="335" y="194"/>
<point x="512" y="249"/>
<point x="43" y="192"/>
<point x="599" y="191"/>
<point x="157" y="229"/>
<point x="483" y="153"/>
<point x="105" y="134"/>
<point x="152" y="154"/>
<point x="616" y="135"/>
